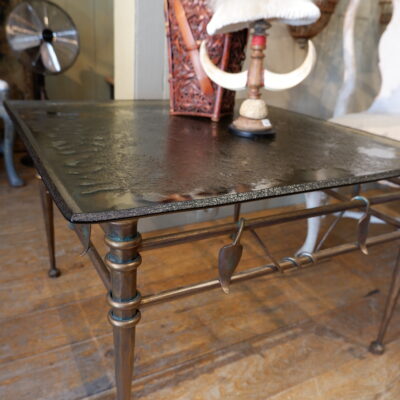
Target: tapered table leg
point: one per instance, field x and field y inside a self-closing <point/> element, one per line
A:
<point x="47" y="207"/>
<point x="377" y="346"/>
<point x="123" y="260"/>
<point x="236" y="213"/>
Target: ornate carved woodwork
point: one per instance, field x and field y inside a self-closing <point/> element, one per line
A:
<point x="191" y="92"/>
<point x="303" y="33"/>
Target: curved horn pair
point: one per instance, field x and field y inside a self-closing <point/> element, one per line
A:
<point x="272" y="81"/>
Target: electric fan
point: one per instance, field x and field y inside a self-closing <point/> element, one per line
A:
<point x="45" y="39"/>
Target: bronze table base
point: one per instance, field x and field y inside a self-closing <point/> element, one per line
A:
<point x="119" y="270"/>
<point x="114" y="163"/>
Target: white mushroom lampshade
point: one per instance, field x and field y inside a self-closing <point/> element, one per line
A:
<point x="234" y="15"/>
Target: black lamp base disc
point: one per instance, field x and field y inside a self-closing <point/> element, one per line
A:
<point x="248" y="134"/>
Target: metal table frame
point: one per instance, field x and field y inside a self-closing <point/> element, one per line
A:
<point x="118" y="270"/>
<point x="144" y="153"/>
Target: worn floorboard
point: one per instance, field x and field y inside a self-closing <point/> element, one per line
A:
<point x="293" y="337"/>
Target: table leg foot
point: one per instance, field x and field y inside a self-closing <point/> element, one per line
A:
<point x="123" y="260"/>
<point x="377" y="346"/>
<point x="48" y="214"/>
<point x="54" y="272"/>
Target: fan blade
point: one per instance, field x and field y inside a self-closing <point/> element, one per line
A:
<point x="49" y="58"/>
<point x="35" y="18"/>
<point x="67" y="35"/>
<point x="66" y="46"/>
<point x="45" y="14"/>
<point x="21" y="42"/>
<point x="24" y="28"/>
<point x="67" y="40"/>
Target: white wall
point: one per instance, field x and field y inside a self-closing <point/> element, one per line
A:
<point x="151" y="66"/>
<point x="124" y="48"/>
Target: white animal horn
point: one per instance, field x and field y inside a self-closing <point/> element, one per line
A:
<point x="224" y="79"/>
<point x="276" y="82"/>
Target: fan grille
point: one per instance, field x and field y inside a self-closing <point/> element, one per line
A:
<point x="44" y="35"/>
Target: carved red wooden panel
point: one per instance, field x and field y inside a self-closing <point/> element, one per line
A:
<point x="226" y="51"/>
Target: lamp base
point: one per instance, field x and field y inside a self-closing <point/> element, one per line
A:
<point x="252" y="128"/>
<point x="267" y="133"/>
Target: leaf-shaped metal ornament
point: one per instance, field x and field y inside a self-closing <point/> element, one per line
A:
<point x="363" y="226"/>
<point x="229" y="258"/>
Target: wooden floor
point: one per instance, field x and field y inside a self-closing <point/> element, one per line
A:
<point x="300" y="336"/>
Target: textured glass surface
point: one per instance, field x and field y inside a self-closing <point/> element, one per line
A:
<point x="124" y="159"/>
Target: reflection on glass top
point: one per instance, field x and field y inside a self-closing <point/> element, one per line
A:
<point x="124" y="159"/>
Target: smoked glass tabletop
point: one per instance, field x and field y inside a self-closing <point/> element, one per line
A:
<point x="123" y="159"/>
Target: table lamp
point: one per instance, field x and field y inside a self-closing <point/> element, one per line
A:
<point x="234" y="15"/>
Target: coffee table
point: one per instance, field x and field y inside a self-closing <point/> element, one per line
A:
<point x="116" y="162"/>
